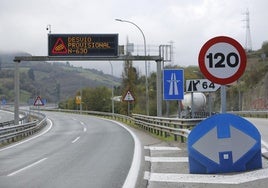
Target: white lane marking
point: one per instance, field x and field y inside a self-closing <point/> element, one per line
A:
<point x="84" y="129"/>
<point x="147" y="176"/>
<point x="166" y="159"/>
<point x="133" y="172"/>
<point x="75" y="140"/>
<point x="27" y="167"/>
<point x="161" y="148"/>
<point x="27" y="140"/>
<point x="207" y="178"/>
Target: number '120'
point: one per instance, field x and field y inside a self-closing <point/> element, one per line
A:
<point x="218" y="60"/>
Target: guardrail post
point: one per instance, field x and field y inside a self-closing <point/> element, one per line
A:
<point x="175" y="136"/>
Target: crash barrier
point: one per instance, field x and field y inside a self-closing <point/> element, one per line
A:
<point x="167" y="127"/>
<point x="253" y="114"/>
<point x="170" y="128"/>
<point x="13" y="133"/>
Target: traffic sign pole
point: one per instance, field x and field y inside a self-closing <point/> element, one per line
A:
<point x="128" y="108"/>
<point x="209" y="104"/>
<point x="223" y="99"/>
<point x="159" y="88"/>
<point x="192" y="104"/>
<point x="17" y="93"/>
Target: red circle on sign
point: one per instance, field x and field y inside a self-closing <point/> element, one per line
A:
<point x="214" y="77"/>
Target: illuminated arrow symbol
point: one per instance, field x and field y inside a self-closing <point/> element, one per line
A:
<point x="210" y="145"/>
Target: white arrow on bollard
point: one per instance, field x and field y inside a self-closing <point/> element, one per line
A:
<point x="210" y="145"/>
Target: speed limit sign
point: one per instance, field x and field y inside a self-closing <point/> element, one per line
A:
<point x="222" y="60"/>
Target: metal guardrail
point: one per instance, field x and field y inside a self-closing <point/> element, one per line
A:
<point x="256" y="114"/>
<point x="16" y="132"/>
<point x="165" y="127"/>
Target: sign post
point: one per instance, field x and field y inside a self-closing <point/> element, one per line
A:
<point x="173" y="84"/>
<point x="201" y="85"/>
<point x="81" y="45"/>
<point x="223" y="142"/>
<point x="38" y="101"/>
<point x="128" y="97"/>
<point x="222" y="60"/>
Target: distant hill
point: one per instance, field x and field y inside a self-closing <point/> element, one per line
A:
<point x="54" y="81"/>
<point x="250" y="92"/>
<point x="57" y="81"/>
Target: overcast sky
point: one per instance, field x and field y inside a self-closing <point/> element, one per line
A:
<point x="188" y="24"/>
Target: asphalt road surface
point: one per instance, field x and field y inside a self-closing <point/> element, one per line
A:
<point x="84" y="151"/>
<point x="72" y="151"/>
<point x="6" y="116"/>
<point x="262" y="125"/>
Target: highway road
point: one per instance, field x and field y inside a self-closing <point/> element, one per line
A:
<point x="262" y="126"/>
<point x="84" y="151"/>
<point x="72" y="151"/>
<point x="6" y="116"/>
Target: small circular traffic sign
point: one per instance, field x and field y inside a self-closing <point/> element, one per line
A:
<point x="222" y="60"/>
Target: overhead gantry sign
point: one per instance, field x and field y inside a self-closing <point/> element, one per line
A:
<point x="89" y="45"/>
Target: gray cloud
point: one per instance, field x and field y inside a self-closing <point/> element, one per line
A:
<point x="189" y="24"/>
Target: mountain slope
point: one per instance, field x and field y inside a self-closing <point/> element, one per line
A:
<point x="53" y="81"/>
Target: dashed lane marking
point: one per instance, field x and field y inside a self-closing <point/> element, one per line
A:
<point x="75" y="140"/>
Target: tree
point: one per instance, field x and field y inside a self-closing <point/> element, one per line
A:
<point x="31" y="74"/>
<point x="96" y="99"/>
<point x="129" y="82"/>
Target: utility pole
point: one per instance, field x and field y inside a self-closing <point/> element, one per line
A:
<point x="248" y="42"/>
<point x="17" y="93"/>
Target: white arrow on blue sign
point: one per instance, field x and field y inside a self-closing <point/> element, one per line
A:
<point x="238" y="140"/>
<point x="173" y="83"/>
<point x="224" y="143"/>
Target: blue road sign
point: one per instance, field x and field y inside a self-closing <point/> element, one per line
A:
<point x="173" y="80"/>
<point x="4" y="101"/>
<point x="224" y="143"/>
